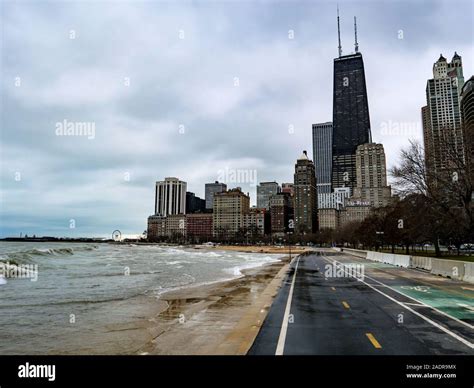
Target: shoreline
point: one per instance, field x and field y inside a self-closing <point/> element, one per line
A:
<point x="222" y="317"/>
<point x="199" y="318"/>
<point x="269" y="249"/>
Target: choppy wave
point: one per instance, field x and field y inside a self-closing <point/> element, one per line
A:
<point x="27" y="257"/>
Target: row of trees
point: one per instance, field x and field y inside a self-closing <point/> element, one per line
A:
<point x="435" y="204"/>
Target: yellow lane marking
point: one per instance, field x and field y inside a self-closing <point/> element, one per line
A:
<point x="346" y="305"/>
<point x="373" y="341"/>
<point x="333" y="288"/>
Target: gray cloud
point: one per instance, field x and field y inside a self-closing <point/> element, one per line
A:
<point x="190" y="82"/>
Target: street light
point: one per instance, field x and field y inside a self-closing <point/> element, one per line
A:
<point x="290" y="227"/>
<point x="289" y="243"/>
<point x="381" y="234"/>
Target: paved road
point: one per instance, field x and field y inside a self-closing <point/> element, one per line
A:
<point x="366" y="310"/>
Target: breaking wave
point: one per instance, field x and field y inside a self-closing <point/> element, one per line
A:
<point x="27" y="257"/>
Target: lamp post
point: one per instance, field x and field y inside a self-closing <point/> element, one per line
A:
<point x="289" y="243"/>
<point x="290" y="232"/>
<point x="380" y="234"/>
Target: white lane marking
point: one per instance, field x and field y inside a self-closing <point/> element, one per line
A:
<point x="415" y="304"/>
<point x="449" y="332"/>
<point x="416" y="300"/>
<point x="284" y="326"/>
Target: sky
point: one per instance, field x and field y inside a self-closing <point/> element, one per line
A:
<point x="101" y="99"/>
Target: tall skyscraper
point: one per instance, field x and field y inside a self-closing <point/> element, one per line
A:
<point x="371" y="186"/>
<point x="210" y="190"/>
<point x="467" y="114"/>
<point x="322" y="156"/>
<point x="264" y="191"/>
<point x="441" y="117"/>
<point x="427" y="138"/>
<point x="170" y="197"/>
<point x="351" y="122"/>
<point x="306" y="196"/>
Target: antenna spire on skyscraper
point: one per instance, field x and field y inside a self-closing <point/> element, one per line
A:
<point x="355" y="35"/>
<point x="339" y="33"/>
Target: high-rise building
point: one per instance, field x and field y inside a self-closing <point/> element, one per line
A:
<point x="351" y="122"/>
<point x="334" y="200"/>
<point x="228" y="212"/>
<point x="322" y="156"/>
<point x="264" y="191"/>
<point x="328" y="218"/>
<point x="172" y="226"/>
<point x="467" y="115"/>
<point x="199" y="226"/>
<point x="306" y="196"/>
<point x="170" y="197"/>
<point x="288" y="188"/>
<point x="176" y="225"/>
<point x="441" y="117"/>
<point x="281" y="211"/>
<point x="156" y="228"/>
<point x="194" y="204"/>
<point x="254" y="221"/>
<point x="354" y="211"/>
<point x="426" y="124"/>
<point x="372" y="175"/>
<point x="210" y="190"/>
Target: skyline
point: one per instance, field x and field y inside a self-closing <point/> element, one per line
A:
<point x="84" y="179"/>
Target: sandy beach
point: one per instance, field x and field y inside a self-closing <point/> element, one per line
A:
<point x="295" y="250"/>
<point x="219" y="318"/>
<point x="173" y="300"/>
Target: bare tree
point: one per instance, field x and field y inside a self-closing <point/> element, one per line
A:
<point x="446" y="192"/>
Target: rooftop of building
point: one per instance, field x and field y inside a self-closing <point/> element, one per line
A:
<point x="215" y="183"/>
<point x="468" y="85"/>
<point x="304" y="156"/>
<point x="370" y="145"/>
<point x="268" y="183"/>
<point x="234" y="191"/>
<point x="171" y="179"/>
<point x="327" y="123"/>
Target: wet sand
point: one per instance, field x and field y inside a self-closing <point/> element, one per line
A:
<point x="295" y="250"/>
<point x="218" y="318"/>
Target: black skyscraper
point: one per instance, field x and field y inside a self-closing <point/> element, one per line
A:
<point x="351" y="123"/>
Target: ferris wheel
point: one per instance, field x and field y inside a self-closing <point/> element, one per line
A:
<point x="117" y="235"/>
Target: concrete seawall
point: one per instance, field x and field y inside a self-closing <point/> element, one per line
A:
<point x="454" y="269"/>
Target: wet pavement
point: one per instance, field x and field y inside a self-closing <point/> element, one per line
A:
<point x="383" y="310"/>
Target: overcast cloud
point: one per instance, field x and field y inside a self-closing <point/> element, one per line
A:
<point x="191" y="90"/>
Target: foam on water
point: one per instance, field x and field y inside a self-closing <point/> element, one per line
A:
<point x="100" y="283"/>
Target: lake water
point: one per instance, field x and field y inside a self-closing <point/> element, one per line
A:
<point x="84" y="292"/>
